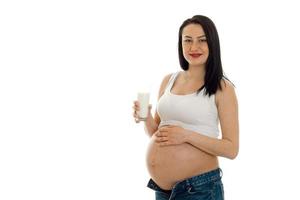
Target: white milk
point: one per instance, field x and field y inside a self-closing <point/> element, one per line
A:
<point x="143" y="99"/>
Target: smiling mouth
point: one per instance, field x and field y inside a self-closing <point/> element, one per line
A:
<point x="196" y="55"/>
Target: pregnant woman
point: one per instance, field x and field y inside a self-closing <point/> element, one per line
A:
<point x="182" y="157"/>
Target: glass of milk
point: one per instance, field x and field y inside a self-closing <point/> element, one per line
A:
<point x="143" y="99"/>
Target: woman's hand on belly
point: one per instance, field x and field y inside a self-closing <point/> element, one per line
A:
<point x="171" y="163"/>
<point x="170" y="135"/>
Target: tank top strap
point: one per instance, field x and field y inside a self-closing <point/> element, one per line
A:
<point x="171" y="81"/>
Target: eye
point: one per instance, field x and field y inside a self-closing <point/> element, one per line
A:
<point x="187" y="40"/>
<point x="202" y="40"/>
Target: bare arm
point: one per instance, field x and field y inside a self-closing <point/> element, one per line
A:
<point x="151" y="124"/>
<point x="228" y="145"/>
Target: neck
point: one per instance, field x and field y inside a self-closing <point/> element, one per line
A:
<point x="195" y="73"/>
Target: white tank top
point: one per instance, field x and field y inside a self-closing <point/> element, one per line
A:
<point x="193" y="112"/>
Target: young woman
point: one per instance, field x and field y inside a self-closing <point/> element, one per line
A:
<point x="182" y="158"/>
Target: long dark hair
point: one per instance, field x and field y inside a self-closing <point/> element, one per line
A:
<point x="213" y="69"/>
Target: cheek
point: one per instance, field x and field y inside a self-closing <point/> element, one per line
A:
<point x="185" y="53"/>
<point x="206" y="54"/>
<point x="205" y="48"/>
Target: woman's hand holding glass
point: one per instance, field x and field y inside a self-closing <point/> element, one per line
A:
<point x="136" y="108"/>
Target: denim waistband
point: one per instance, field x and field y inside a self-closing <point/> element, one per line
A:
<point x="201" y="179"/>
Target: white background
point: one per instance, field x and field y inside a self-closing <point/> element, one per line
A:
<point x="70" y="70"/>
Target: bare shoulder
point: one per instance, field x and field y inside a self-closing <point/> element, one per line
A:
<point x="227" y="92"/>
<point x="167" y="78"/>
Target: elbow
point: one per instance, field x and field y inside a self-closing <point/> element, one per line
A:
<point x="233" y="154"/>
<point x="232" y="150"/>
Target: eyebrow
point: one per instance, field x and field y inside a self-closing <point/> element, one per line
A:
<point x="197" y="37"/>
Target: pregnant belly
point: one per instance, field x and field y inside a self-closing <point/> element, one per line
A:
<point x="170" y="164"/>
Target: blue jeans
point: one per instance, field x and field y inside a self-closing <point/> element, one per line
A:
<point x="207" y="186"/>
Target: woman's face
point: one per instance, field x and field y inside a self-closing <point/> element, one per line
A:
<point x="194" y="44"/>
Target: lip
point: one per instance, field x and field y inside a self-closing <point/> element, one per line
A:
<point x="195" y="55"/>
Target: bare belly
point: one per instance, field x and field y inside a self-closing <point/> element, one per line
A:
<point x="170" y="164"/>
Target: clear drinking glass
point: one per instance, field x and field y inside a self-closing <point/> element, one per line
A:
<point x="143" y="99"/>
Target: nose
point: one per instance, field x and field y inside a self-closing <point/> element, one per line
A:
<point x="194" y="46"/>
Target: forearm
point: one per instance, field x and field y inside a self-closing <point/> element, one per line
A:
<point x="150" y="126"/>
<point x="214" y="146"/>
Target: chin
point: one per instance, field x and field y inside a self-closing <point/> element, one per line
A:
<point x="196" y="63"/>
